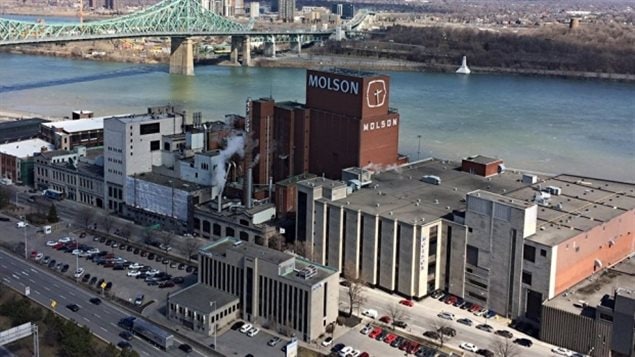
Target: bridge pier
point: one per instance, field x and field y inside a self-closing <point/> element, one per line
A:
<point x="296" y="46"/>
<point x="233" y="55"/>
<point x="270" y="47"/>
<point x="181" y="56"/>
<point x="247" y="51"/>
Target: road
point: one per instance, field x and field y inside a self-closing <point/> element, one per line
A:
<point x="100" y="319"/>
<point x="423" y="317"/>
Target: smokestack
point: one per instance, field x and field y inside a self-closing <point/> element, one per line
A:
<point x="250" y="187"/>
<point x="270" y="188"/>
<point x="220" y="201"/>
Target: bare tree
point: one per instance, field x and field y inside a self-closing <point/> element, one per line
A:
<point x="166" y="239"/>
<point x="189" y="247"/>
<point x="444" y="329"/>
<point x="396" y="312"/>
<point x="86" y="217"/>
<point x="276" y="241"/>
<point x="107" y="222"/>
<point x="147" y="236"/>
<point x="303" y="248"/>
<point x="126" y="231"/>
<point x="504" y="347"/>
<point x="356" y="288"/>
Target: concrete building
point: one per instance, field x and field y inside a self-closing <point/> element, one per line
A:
<point x="22" y="129"/>
<point x="286" y="10"/>
<point x="276" y="290"/>
<point x="78" y="174"/>
<point x="132" y="145"/>
<point x="16" y="159"/>
<point x="67" y="134"/>
<point x="596" y="316"/>
<point x="254" y="9"/>
<point x="496" y="241"/>
<point x="234" y="221"/>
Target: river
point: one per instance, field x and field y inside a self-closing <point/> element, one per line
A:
<point x="542" y="124"/>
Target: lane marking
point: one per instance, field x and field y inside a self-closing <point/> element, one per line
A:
<point x="32" y="281"/>
<point x="62" y="297"/>
<point x="3" y="266"/>
<point x="24" y="273"/>
<point x="46" y="288"/>
<point x="97" y="316"/>
<point x="15" y="277"/>
<point x="103" y="329"/>
<point x="87" y="320"/>
<point x="33" y="270"/>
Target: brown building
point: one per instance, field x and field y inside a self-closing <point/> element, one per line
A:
<point x="482" y="165"/>
<point x="351" y="121"/>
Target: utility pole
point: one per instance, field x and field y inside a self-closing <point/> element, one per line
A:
<point x="26" y="256"/>
<point x="419" y="148"/>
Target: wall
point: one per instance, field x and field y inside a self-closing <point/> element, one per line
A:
<point x="577" y="255"/>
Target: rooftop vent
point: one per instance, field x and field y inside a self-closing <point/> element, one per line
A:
<point x="238" y="243"/>
<point x="308" y="272"/>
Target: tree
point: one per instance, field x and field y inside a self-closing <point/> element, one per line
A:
<point x="504" y="347"/>
<point x="443" y="328"/>
<point x="396" y="313"/>
<point x="85" y="217"/>
<point x="275" y="241"/>
<point x="4" y="197"/>
<point x="52" y="215"/>
<point x="167" y="238"/>
<point x="107" y="222"/>
<point x="303" y="248"/>
<point x="356" y="287"/>
<point x="189" y="247"/>
<point x="126" y="231"/>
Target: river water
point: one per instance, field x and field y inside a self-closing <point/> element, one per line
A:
<point x="542" y="124"/>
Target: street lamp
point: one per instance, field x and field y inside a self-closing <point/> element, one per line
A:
<point x="25" y="244"/>
<point x="419" y="148"/>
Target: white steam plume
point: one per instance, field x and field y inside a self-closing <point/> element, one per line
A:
<point x="235" y="145"/>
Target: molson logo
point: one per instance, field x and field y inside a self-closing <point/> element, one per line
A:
<point x="380" y="124"/>
<point x="334" y="84"/>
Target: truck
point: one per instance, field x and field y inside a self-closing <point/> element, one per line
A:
<point x="149" y="331"/>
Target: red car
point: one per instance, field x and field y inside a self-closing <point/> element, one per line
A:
<point x="33" y="253"/>
<point x="413" y="347"/>
<point x="385" y="319"/>
<point x="475" y="308"/>
<point x="451" y="299"/>
<point x="404" y="346"/>
<point x="390" y="338"/>
<point x="364" y="354"/>
<point x="375" y="332"/>
<point x="408" y="303"/>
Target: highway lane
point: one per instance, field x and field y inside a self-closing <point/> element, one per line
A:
<point x="423" y="316"/>
<point x="100" y="319"/>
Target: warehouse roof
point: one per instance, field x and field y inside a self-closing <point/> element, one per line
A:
<point x="198" y="297"/>
<point x="26" y="148"/>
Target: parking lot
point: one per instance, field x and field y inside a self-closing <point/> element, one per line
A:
<point x="235" y="343"/>
<point x="113" y="268"/>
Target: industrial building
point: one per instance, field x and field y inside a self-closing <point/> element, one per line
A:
<point x="277" y="290"/>
<point x="595" y="316"/>
<point x="16" y="159"/>
<point x="132" y="145"/>
<point x="67" y="134"/>
<point x="77" y="174"/>
<point x="497" y="241"/>
<point x="21" y="129"/>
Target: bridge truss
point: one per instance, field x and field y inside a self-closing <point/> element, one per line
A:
<point x="167" y="18"/>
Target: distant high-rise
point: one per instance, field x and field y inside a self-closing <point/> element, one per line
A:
<point x="286" y="10"/>
<point x="254" y="9"/>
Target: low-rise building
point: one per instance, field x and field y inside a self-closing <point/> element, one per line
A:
<point x="77" y="174"/>
<point x="596" y="316"/>
<point x="67" y="134"/>
<point x="277" y="290"/>
<point x="16" y="159"/>
<point x="234" y="220"/>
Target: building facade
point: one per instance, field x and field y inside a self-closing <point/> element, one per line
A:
<point x="132" y="145"/>
<point x="276" y="290"/>
<point x="67" y="134"/>
<point x="68" y="172"/>
<point x="16" y="159"/>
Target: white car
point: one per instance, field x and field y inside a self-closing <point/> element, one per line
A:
<point x="21" y="224"/>
<point x="133" y="273"/>
<point x="93" y="251"/>
<point x="370" y="313"/>
<point x="446" y="315"/>
<point x="246" y="328"/>
<point x="327" y="341"/>
<point x="153" y="272"/>
<point x="39" y="257"/>
<point x="79" y="272"/>
<point x="344" y="352"/>
<point x="562" y="351"/>
<point x="135" y="266"/>
<point x="355" y="353"/>
<point x="77" y="251"/>
<point x="51" y="243"/>
<point x="469" y="346"/>
<point x="366" y="330"/>
<point x="253" y="331"/>
<point x="64" y="240"/>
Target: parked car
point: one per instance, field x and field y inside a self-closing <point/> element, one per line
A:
<point x="485" y="352"/>
<point x="447" y="331"/>
<point x="327" y="341"/>
<point x="65" y="268"/>
<point x="133" y="273"/>
<point x="446" y="315"/>
<point x="344" y="352"/>
<point x="246" y="327"/>
<point x="64" y="240"/>
<point x="92" y="281"/>
<point x="38" y="257"/>
<point x="504" y="333"/>
<point x="562" y="351"/>
<point x="366" y="330"/>
<point x="338" y="347"/>
<point x="396" y="343"/>
<point x="166" y="284"/>
<point x="375" y="332"/>
<point x="181" y="266"/>
<point x="185" y="348"/>
<point x="274" y="341"/>
<point x="253" y="331"/>
<point x="489" y="314"/>
<point x="485" y="327"/>
<point x="385" y="319"/>
<point x="372" y="313"/>
<point x="400" y="324"/>
<point x="390" y="338"/>
<point x="136" y="251"/>
<point x="465" y="321"/>
<point x="525" y="342"/>
<point x="237" y="325"/>
<point x="52" y="263"/>
<point x="432" y="334"/>
<point x="408" y="303"/>
<point x="468" y="346"/>
<point x="51" y="243"/>
<point x="437" y="294"/>
<point x="79" y="272"/>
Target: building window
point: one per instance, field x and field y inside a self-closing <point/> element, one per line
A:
<point x="155" y="145"/>
<point x="527" y="278"/>
<point x="149" y="128"/>
<point x="472" y="255"/>
<point x="543" y="253"/>
<point x="529" y="253"/>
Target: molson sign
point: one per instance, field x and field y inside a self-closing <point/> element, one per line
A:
<point x="333" y="84"/>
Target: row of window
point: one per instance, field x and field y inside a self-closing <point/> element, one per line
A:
<point x="283" y="304"/>
<point x="114" y="149"/>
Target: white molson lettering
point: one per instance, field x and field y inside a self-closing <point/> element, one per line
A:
<point x="334" y="84"/>
<point x="380" y="124"/>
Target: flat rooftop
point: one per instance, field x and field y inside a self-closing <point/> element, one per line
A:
<point x="583" y="203"/>
<point x="198" y="298"/>
<point x="20" y="129"/>
<point x="350" y="72"/>
<point x="251" y="250"/>
<point x="79" y="125"/>
<point x="26" y="148"/>
<point x="596" y="290"/>
<point x="480" y="159"/>
<point x="139" y="118"/>
<point x="169" y="181"/>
